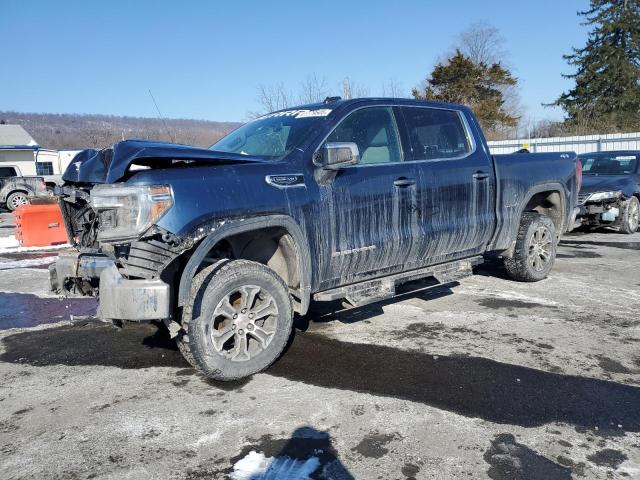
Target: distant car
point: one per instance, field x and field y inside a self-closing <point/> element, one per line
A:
<point x="610" y="194"/>
<point x="15" y="190"/>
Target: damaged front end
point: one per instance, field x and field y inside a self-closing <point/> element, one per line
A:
<point x="120" y="256"/>
<point x="601" y="208"/>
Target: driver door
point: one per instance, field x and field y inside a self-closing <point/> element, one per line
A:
<point x="372" y="205"/>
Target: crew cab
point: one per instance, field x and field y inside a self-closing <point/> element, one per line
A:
<point x="610" y="194"/>
<point x="344" y="199"/>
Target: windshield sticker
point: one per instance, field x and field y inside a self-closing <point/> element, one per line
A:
<point x="322" y="112"/>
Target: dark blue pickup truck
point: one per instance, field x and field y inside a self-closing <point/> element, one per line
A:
<point x="344" y="199"/>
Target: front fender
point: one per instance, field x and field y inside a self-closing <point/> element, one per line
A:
<point x="234" y="227"/>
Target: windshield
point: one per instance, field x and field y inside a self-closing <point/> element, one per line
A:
<point x="273" y="135"/>
<point x="609" y="164"/>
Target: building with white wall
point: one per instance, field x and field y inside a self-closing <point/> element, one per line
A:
<point x="20" y="152"/>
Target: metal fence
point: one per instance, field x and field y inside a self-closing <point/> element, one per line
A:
<point x="583" y="144"/>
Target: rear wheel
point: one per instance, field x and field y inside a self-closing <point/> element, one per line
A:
<point x="535" y="250"/>
<point x="16" y="199"/>
<point x="237" y="321"/>
<point x="630" y="216"/>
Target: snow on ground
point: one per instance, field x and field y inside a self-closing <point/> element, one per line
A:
<point x="255" y="466"/>
<point x="32" y="262"/>
<point x="12" y="245"/>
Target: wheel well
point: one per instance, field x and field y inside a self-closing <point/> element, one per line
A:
<point x="551" y="204"/>
<point x="273" y="247"/>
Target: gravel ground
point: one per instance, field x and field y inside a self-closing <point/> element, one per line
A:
<point x="487" y="378"/>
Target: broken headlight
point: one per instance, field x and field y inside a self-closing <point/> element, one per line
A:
<point x="600" y="196"/>
<point x="126" y="212"/>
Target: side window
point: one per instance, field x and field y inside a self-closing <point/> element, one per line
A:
<point x="435" y="133"/>
<point x="7" y="172"/>
<point x="374" y="130"/>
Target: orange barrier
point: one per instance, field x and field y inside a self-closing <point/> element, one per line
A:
<point x="40" y="225"/>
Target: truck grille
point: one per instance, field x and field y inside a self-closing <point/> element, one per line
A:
<point x="582" y="197"/>
<point x="146" y="259"/>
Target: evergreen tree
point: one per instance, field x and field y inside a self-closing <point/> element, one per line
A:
<point x="477" y="85"/>
<point x="606" y="94"/>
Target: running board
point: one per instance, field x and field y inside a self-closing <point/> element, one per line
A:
<point x="364" y="293"/>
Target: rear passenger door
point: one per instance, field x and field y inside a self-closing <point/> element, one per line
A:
<point x="456" y="184"/>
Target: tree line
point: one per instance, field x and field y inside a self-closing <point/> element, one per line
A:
<point x="74" y="131"/>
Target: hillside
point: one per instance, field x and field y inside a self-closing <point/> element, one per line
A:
<point x="72" y="131"/>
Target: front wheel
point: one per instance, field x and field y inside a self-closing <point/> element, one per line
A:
<point x="535" y="251"/>
<point x="237" y="321"/>
<point x="630" y="216"/>
<point x="16" y="199"/>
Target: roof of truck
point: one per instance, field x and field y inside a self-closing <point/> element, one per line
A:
<point x="335" y="102"/>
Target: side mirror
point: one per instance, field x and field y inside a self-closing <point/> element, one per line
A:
<point x="334" y="156"/>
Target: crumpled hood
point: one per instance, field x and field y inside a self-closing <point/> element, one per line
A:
<point x="609" y="183"/>
<point x="111" y="164"/>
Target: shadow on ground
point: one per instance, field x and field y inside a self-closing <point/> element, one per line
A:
<point x="19" y="310"/>
<point x="470" y="386"/>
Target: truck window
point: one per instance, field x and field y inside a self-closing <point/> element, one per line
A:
<point x="603" y="164"/>
<point x="44" y="168"/>
<point x="374" y="130"/>
<point x="435" y="133"/>
<point x="272" y="136"/>
<point x="7" y="172"/>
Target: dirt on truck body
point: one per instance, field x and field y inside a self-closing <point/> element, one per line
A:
<point x="340" y="199"/>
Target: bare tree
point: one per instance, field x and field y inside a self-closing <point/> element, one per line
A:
<point x="313" y="89"/>
<point x="274" y="97"/>
<point x="351" y="89"/>
<point x="393" y="88"/>
<point x="482" y="43"/>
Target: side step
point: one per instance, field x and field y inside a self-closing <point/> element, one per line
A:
<point x="370" y="291"/>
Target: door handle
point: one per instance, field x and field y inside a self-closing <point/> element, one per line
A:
<point x="480" y="175"/>
<point x="404" y="182"/>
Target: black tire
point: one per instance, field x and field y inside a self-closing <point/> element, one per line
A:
<point x="531" y="262"/>
<point x="15" y="199"/>
<point x="630" y="216"/>
<point x="255" y="343"/>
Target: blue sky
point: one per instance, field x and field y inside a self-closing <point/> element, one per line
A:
<point x="206" y="59"/>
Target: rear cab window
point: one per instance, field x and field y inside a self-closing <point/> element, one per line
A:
<point x="436" y="133"/>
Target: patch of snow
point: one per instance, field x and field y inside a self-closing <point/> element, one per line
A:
<point x="212" y="437"/>
<point x="255" y="466"/>
<point x="27" y="263"/>
<point x="12" y="245"/>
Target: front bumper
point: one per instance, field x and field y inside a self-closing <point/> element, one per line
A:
<point x="120" y="298"/>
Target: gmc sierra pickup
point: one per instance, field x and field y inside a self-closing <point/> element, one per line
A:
<point x="344" y="199"/>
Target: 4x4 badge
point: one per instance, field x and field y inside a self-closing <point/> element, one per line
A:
<point x="286" y="180"/>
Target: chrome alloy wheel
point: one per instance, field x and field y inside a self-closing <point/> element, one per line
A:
<point x="17" y="199"/>
<point x="634" y="216"/>
<point x="244" y="323"/>
<point x="540" y="247"/>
